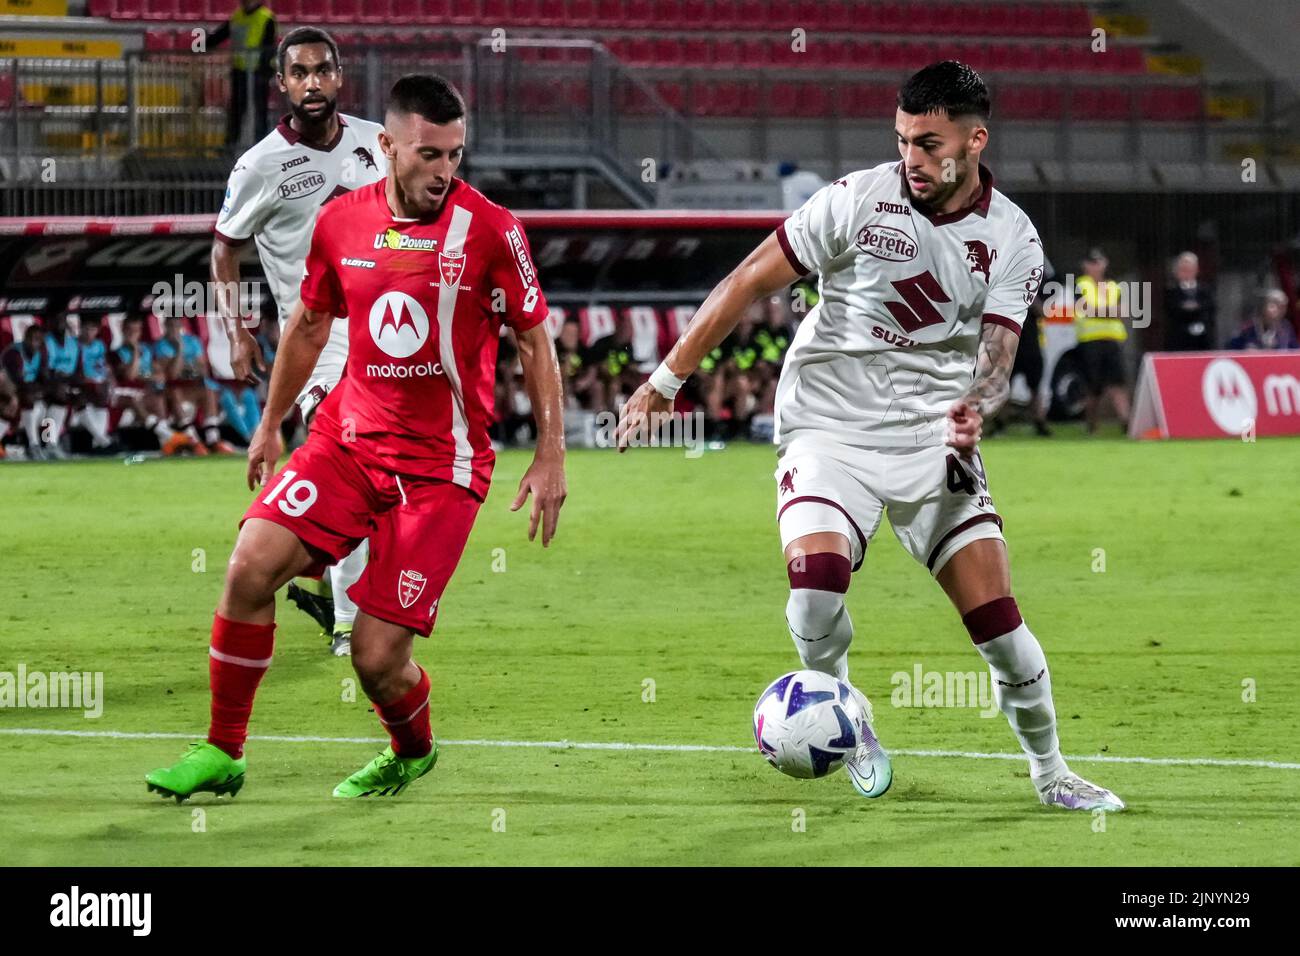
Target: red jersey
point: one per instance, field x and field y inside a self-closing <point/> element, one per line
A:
<point x="425" y="301"/>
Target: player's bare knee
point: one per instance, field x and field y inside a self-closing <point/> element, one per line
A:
<point x="248" y="578"/>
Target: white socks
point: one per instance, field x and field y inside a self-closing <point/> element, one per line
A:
<point x="343" y="575"/>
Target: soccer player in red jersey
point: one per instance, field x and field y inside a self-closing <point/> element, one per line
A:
<point x="426" y="270"/>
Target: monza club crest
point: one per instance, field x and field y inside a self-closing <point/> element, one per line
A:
<point x="410" y="585"/>
<point x="451" y="265"/>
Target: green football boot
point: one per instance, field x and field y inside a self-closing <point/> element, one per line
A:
<point x="387" y="775"/>
<point x="203" y="769"/>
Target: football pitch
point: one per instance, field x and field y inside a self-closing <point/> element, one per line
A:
<point x="594" y="699"/>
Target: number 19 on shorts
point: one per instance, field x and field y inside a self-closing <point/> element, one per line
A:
<point x="297" y="497"/>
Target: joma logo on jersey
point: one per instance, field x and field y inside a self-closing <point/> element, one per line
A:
<point x="979" y="257"/>
<point x="390" y="238"/>
<point x="886" y="242"/>
<point x="303" y="184"/>
<point x="290" y="163"/>
<point x="898" y="209"/>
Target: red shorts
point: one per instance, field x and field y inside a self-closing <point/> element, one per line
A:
<point x="417" y="527"/>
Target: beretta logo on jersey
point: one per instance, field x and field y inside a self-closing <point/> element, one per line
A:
<point x="303" y="184"/>
<point x="886" y="242"/>
<point x="390" y="238"/>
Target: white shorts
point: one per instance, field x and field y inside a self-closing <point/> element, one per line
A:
<point x="328" y="370"/>
<point x="937" y="501"/>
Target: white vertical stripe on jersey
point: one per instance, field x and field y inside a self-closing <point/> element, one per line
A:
<point x="454" y="245"/>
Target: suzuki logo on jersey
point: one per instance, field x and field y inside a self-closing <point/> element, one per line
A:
<point x="398" y="324"/>
<point x="451" y="264"/>
<point x="979" y="257"/>
<point x="410" y="585"/>
<point x="390" y="238"/>
<point x="886" y="242"/>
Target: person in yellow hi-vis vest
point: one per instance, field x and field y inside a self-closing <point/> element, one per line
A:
<point x="251" y="31"/>
<point x="1099" y="327"/>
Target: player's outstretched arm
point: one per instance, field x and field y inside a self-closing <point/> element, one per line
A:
<point x="989" y="391"/>
<point x="244" y="353"/>
<point x="544" y="478"/>
<point x="764" y="271"/>
<point x="304" y="337"/>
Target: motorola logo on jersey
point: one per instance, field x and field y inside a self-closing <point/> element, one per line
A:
<point x="398" y="324"/>
<point x="886" y="242"/>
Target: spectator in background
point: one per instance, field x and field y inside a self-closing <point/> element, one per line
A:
<point x="1269" y="329"/>
<point x="139" y="393"/>
<point x="1189" y="308"/>
<point x="615" y="367"/>
<point x="251" y="32"/>
<point x="91" y="384"/>
<point x="26" y="363"/>
<point x="1101" y="333"/>
<point x="10" y="408"/>
<point x="182" y="365"/>
<point x="583" y="388"/>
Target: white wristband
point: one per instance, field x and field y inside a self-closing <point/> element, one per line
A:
<point x="665" y="382"/>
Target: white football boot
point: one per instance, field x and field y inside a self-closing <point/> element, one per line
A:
<point x="1072" y="792"/>
<point x="869" y="768"/>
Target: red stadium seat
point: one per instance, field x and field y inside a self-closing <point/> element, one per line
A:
<point x="407" y="11"/>
<point x="609" y="13"/>
<point x="726" y="52"/>
<point x="522" y="13"/>
<point x="696" y="15"/>
<point x="375" y="11"/>
<point x="1026" y="20"/>
<point x="552" y="14"/>
<point x="783" y="15"/>
<point x="343" y="11"/>
<point x="750" y="13"/>
<point x="754" y="52"/>
<point x="597" y="322"/>
<point x="672" y="94"/>
<point x="158" y="39"/>
<point x="6" y="333"/>
<point x="129" y="10"/>
<point x="192" y="10"/>
<point x="640" y="51"/>
<point x="668" y="52"/>
<point x="639" y="14"/>
<point x="666" y="14"/>
<point x="725" y="15"/>
<point x="697" y="51"/>
<point x="159" y="10"/>
<point x="581" y="14"/>
<point x="101" y="8"/>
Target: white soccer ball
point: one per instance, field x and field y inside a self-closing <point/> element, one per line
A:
<point x="807" y="722"/>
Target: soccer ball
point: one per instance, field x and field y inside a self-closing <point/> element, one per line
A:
<point x="807" y="722"/>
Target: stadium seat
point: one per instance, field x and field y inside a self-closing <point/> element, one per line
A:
<point x="521" y="13"/>
<point x="342" y="11"/>
<point x="375" y="11"/>
<point x="668" y="52"/>
<point x="697" y="51"/>
<point x="639" y="14"/>
<point x="597" y="322"/>
<point x="193" y="10"/>
<point x="580" y="14"/>
<point x="754" y="52"/>
<point x="726" y="52"/>
<point x="609" y="13"/>
<point x="695" y="15"/>
<point x="101" y="8"/>
<point x="407" y="11"/>
<point x="725" y="15"/>
<point x="552" y="13"/>
<point x="159" y="10"/>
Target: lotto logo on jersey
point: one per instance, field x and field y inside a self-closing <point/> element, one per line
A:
<point x="398" y="324"/>
<point x="390" y="238"/>
<point x="886" y="242"/>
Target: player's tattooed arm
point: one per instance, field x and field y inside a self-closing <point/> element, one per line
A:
<point x="988" y="393"/>
<point x="997" y="354"/>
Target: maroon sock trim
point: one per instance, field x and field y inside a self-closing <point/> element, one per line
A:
<point x="998" y="617"/>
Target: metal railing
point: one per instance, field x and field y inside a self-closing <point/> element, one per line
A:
<point x="149" y="133"/>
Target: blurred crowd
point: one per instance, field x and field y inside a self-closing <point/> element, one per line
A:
<point x="90" y="391"/>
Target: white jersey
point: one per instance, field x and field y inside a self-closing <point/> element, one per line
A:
<point x="892" y="342"/>
<point x="277" y="188"/>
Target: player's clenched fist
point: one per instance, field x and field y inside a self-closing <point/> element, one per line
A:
<point x="263" y="452"/>
<point x="544" y="480"/>
<point x="965" y="427"/>
<point x="644" y="407"/>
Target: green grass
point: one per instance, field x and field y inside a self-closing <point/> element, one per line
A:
<point x="669" y="569"/>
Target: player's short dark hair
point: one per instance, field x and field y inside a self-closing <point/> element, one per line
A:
<point x="300" y="35"/>
<point x="946" y="87"/>
<point x="427" y="95"/>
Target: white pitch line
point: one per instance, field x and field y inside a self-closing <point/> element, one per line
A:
<point x="669" y="748"/>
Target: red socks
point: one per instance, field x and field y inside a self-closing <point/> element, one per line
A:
<point x="237" y="658"/>
<point x="407" y="720"/>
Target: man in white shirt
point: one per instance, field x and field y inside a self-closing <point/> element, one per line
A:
<point x="927" y="272"/>
<point x="274" y="194"/>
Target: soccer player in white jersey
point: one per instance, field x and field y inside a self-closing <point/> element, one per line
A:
<point x="926" y="273"/>
<point x="275" y="192"/>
